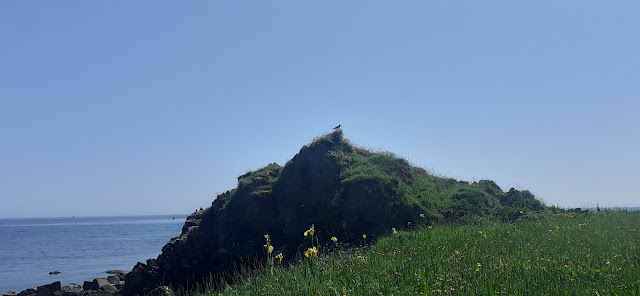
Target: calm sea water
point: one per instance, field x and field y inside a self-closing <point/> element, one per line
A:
<point x="82" y="248"/>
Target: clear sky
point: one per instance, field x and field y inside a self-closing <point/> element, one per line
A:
<point x="153" y="107"/>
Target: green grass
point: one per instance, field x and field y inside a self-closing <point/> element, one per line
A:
<point x="438" y="198"/>
<point x="561" y="254"/>
<point x="364" y="165"/>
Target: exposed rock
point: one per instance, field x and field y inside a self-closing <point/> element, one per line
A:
<point x="9" y="293"/>
<point x="54" y="272"/>
<point x="49" y="290"/>
<point x="78" y="292"/>
<point x="27" y="292"/>
<point x="162" y="291"/>
<point x="100" y="285"/>
<point x="72" y="290"/>
<point x="114" y="280"/>
<point x="97" y="293"/>
<point x="55" y="286"/>
<point x="101" y="282"/>
<point x="193" y="220"/>
<point x="71" y="286"/>
<point x="90" y="286"/>
<point x="108" y="288"/>
<point x="117" y="273"/>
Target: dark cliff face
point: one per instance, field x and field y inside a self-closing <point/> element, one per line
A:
<point x="313" y="188"/>
<point x="282" y="202"/>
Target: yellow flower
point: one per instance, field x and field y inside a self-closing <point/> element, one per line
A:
<point x="521" y="212"/>
<point x="311" y="252"/>
<point x="477" y="269"/>
<point x="421" y="215"/>
<point x="430" y="227"/>
<point x="608" y="262"/>
<point x="267" y="237"/>
<point x="364" y="236"/>
<point x="394" y="230"/>
<point x="312" y="230"/>
<point x="334" y="239"/>
<point x="270" y="249"/>
<point x="279" y="256"/>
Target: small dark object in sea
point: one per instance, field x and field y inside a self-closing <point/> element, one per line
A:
<point x="54" y="272"/>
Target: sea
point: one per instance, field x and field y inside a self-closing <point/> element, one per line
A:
<point x="81" y="248"/>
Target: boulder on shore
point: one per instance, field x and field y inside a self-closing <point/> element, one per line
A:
<point x="118" y="273"/>
<point x="114" y="280"/>
<point x="72" y="290"/>
<point x="49" y="290"/>
<point x="90" y="286"/>
<point x="27" y="292"/>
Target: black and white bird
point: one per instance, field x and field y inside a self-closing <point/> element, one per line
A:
<point x="337" y="127"/>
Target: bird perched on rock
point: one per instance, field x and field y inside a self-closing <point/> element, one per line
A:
<point x="337" y="127"/>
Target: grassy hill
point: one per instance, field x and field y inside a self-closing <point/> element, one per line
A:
<point x="342" y="190"/>
<point x="558" y="254"/>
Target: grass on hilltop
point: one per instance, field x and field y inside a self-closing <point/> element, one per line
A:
<point x="559" y="254"/>
<point x="438" y="198"/>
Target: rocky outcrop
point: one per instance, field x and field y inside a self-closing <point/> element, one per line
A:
<point x="27" y="292"/>
<point x="72" y="290"/>
<point x="49" y="290"/>
<point x="315" y="187"/>
<point x="192" y="221"/>
<point x="97" y="287"/>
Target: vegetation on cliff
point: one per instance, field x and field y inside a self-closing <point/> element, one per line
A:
<point x="345" y="190"/>
<point x="418" y="191"/>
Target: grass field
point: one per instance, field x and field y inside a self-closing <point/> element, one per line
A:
<point x="558" y="254"/>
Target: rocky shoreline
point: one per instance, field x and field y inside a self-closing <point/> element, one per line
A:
<point x="112" y="285"/>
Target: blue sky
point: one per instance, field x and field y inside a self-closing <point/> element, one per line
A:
<point x="153" y="107"/>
